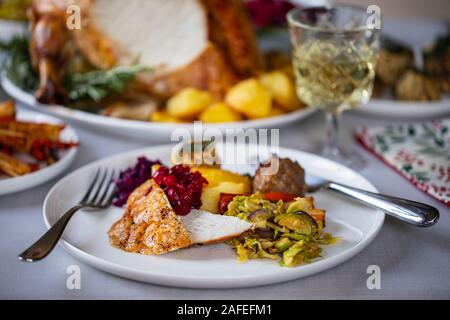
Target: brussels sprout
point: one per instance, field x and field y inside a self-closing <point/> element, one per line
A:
<point x="259" y="217"/>
<point x="292" y="256"/>
<point x="298" y="221"/>
<point x="283" y="244"/>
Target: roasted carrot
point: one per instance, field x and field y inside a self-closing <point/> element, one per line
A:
<point x="224" y="200"/>
<point x="277" y="196"/>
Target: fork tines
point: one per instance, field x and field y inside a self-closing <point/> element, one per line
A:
<point x="101" y="191"/>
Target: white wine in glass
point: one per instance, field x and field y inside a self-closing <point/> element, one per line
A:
<point x="334" y="58"/>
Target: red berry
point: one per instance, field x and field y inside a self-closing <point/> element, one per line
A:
<point x="170" y="180"/>
<point x="183" y="188"/>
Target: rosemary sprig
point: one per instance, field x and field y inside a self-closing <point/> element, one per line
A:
<point x="98" y="84"/>
<point x="92" y="85"/>
<point x="17" y="63"/>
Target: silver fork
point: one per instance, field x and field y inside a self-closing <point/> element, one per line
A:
<point x="412" y="212"/>
<point x="99" y="196"/>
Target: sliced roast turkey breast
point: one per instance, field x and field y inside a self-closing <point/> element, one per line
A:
<point x="150" y="226"/>
<point x="169" y="34"/>
<point x="206" y="44"/>
<point x="206" y="227"/>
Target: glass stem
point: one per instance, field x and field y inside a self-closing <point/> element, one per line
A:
<point x="332" y="138"/>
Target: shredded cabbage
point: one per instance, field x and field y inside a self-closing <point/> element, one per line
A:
<point x="301" y="248"/>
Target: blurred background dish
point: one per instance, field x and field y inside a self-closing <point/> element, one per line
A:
<point x="143" y="129"/>
<point x="401" y="90"/>
<point x="160" y="79"/>
<point x="42" y="171"/>
<point x="191" y="69"/>
<point x="413" y="73"/>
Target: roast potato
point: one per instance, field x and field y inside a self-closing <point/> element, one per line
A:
<point x="188" y="103"/>
<point x="276" y="111"/>
<point x="211" y="195"/>
<point x="250" y="98"/>
<point x="215" y="176"/>
<point x="282" y="89"/>
<point x="219" y="112"/>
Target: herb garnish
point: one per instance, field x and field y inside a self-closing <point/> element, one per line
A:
<point x="98" y="84"/>
<point x="17" y="63"/>
<point x="93" y="85"/>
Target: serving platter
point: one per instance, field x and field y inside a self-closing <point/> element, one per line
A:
<point x="212" y="266"/>
<point x="142" y="129"/>
<point x="66" y="157"/>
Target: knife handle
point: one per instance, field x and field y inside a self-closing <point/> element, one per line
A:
<point x="415" y="213"/>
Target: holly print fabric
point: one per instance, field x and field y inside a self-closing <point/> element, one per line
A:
<point x="418" y="151"/>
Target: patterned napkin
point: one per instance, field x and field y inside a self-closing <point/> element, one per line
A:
<point x="420" y="152"/>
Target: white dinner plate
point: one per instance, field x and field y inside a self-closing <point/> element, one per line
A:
<point x="210" y="266"/>
<point x="142" y="129"/>
<point x="406" y="109"/>
<point x="66" y="157"/>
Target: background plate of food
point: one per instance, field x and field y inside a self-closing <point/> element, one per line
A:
<point x="124" y="242"/>
<point x="413" y="71"/>
<point x="204" y="63"/>
<point x="34" y="148"/>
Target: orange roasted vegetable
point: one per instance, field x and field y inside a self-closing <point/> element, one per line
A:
<point x="13" y="167"/>
<point x="224" y="200"/>
<point x="7" y="110"/>
<point x="277" y="196"/>
<point x="38" y="139"/>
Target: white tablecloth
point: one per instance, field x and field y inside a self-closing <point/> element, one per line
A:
<point x="414" y="262"/>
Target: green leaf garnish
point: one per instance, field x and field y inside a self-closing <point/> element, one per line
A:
<point x="98" y="84"/>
